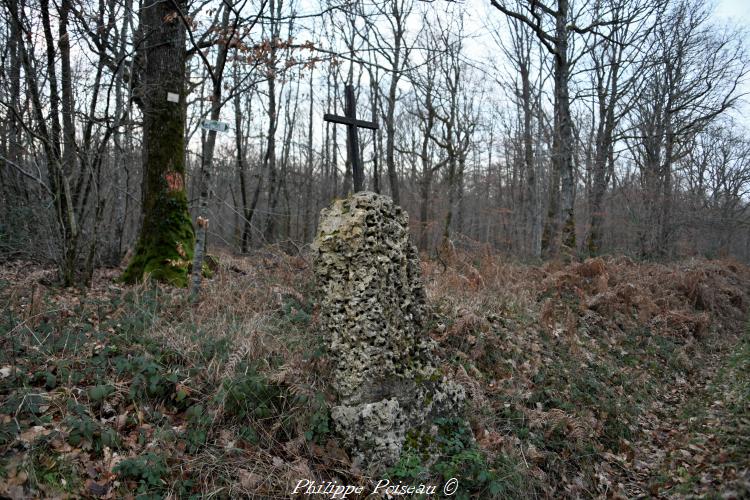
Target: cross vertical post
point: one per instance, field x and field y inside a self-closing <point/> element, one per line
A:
<point x="352" y="140"/>
<point x="352" y="143"/>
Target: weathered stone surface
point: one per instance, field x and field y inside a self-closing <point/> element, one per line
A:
<point x="372" y="309"/>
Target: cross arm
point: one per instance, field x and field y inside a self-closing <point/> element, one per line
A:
<point x="350" y="121"/>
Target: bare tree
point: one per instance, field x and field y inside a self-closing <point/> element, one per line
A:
<point x="615" y="71"/>
<point x="682" y="91"/>
<point x="393" y="46"/>
<point x="716" y="174"/>
<point x="229" y="32"/>
<point x="519" y="48"/>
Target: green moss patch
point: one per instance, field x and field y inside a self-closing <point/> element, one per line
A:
<point x="165" y="249"/>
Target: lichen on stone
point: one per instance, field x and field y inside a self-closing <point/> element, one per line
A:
<point x="372" y="308"/>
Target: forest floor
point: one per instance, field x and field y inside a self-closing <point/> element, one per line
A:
<point x="603" y="379"/>
<point x="695" y="438"/>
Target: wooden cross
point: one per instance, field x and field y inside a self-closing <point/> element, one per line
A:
<point x="352" y="141"/>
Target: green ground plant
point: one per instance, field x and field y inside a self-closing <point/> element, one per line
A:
<point x="135" y="387"/>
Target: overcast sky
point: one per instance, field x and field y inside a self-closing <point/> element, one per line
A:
<point x="479" y="14"/>
<point x="738" y="12"/>
<point x="734" y="9"/>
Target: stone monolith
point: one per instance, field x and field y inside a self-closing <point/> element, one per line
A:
<point x="372" y="310"/>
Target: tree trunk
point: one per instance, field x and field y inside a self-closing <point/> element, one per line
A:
<point x="270" y="162"/>
<point x="532" y="220"/>
<point x="274" y="8"/>
<point x="377" y="137"/>
<point x="60" y="179"/>
<point x="309" y="166"/>
<point x="550" y="239"/>
<point x="427" y="170"/>
<point x="563" y="150"/>
<point x="165" y="243"/>
<point x="664" y="246"/>
<point x="217" y="77"/>
<point x="451" y="199"/>
<point x="607" y="100"/>
<point x="241" y="166"/>
<point x="390" y="144"/>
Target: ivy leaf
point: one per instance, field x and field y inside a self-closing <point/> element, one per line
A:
<point x="99" y="393"/>
<point x="495" y="487"/>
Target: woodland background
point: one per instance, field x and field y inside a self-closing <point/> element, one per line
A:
<point x="511" y="131"/>
<point x="630" y="143"/>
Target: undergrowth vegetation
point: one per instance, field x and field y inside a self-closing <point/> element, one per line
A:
<point x="564" y="361"/>
<point x="133" y="391"/>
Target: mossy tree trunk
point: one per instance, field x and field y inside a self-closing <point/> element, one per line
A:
<point x="165" y="244"/>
